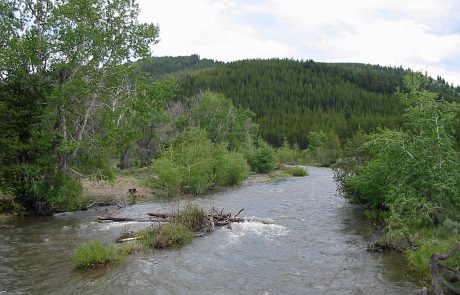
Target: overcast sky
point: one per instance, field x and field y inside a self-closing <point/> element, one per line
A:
<point x="420" y="34"/>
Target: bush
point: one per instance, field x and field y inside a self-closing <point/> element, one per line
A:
<point x="93" y="254"/>
<point x="41" y="190"/>
<point x="192" y="151"/>
<point x="323" y="149"/>
<point x="173" y="235"/>
<point x="65" y="193"/>
<point x="412" y="174"/>
<point x="193" y="164"/>
<point x="263" y="158"/>
<point x="288" y="155"/>
<point x="169" y="177"/>
<point x="230" y="167"/>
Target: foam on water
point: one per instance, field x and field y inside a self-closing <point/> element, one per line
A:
<point x="258" y="220"/>
<point x="240" y="230"/>
<point x="110" y="225"/>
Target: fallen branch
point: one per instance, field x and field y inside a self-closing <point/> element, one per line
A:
<point x="127" y="239"/>
<point x="239" y="212"/>
<point x="219" y="218"/>
<point x="435" y="266"/>
<point x="98" y="204"/>
<point x="124" y="219"/>
<point x="161" y="215"/>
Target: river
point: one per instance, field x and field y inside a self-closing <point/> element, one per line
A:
<point x="316" y="245"/>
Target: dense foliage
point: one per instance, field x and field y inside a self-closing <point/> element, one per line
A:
<point x="66" y="83"/>
<point x="292" y="98"/>
<point x="159" y="66"/>
<point x="193" y="164"/>
<point x="261" y="156"/>
<point x="412" y="174"/>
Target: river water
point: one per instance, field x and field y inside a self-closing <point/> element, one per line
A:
<point x="315" y="245"/>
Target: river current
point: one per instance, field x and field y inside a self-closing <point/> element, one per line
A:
<point x="315" y="244"/>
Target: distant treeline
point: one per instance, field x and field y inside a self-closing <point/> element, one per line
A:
<point x="158" y="67"/>
<point x="292" y="98"/>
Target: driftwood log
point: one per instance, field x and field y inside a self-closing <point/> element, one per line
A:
<point x="98" y="204"/>
<point x="125" y="219"/>
<point x="161" y="215"/>
<point x="453" y="275"/>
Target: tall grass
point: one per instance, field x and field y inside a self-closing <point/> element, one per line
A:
<point x="94" y="254"/>
<point x="294" y="171"/>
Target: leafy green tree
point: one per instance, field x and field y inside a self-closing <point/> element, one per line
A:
<point x="222" y="121"/>
<point x="74" y="54"/>
<point x="323" y="148"/>
<point x="134" y="122"/>
<point x="413" y="172"/>
<point x="230" y="168"/>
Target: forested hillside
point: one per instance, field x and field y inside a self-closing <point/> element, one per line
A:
<point x="158" y="67"/>
<point x="292" y="98"/>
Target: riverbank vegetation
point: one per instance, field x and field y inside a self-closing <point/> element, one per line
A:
<point x="412" y="174"/>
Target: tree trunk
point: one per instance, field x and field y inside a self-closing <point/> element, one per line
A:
<point x="124" y="160"/>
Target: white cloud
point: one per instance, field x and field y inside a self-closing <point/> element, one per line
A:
<point x="421" y="34"/>
<point x="207" y="28"/>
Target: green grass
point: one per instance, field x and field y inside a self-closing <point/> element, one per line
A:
<point x="193" y="218"/>
<point x="294" y="171"/>
<point x="173" y="235"/>
<point x="148" y="237"/>
<point x="298" y="171"/>
<point x="429" y="242"/>
<point x="94" y="254"/>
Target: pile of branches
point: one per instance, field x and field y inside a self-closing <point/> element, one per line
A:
<point x="215" y="218"/>
<point x="221" y="218"/>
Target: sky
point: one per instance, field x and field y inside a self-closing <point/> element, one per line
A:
<point x="423" y="35"/>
